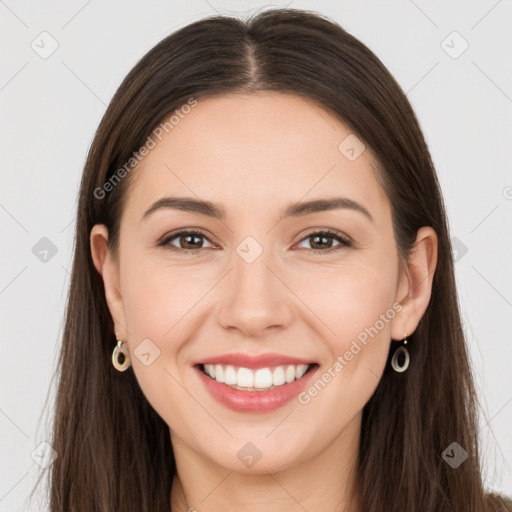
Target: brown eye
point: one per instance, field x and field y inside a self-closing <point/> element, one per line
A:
<point x="188" y="241"/>
<point x="192" y="241"/>
<point x="321" y="241"/>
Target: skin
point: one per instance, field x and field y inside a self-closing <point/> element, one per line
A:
<point x="254" y="154"/>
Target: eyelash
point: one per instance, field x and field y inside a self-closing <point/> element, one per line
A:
<point x="329" y="233"/>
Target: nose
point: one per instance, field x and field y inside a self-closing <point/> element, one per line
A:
<point x="255" y="298"/>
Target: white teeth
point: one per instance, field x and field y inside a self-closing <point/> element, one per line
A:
<point x="263" y="378"/>
<point x="219" y="373"/>
<point x="245" y="378"/>
<point x="301" y="370"/>
<point x="278" y="377"/>
<point x="210" y="370"/>
<point x="251" y="380"/>
<point x="290" y="374"/>
<point x="230" y="376"/>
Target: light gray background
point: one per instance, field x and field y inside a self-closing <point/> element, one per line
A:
<point x="51" y="108"/>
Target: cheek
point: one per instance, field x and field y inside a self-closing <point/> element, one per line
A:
<point x="156" y="300"/>
<point x="158" y="295"/>
<point x="354" y="306"/>
<point x="357" y="303"/>
<point x="350" y="298"/>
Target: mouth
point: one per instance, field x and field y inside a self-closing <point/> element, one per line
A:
<point x="257" y="389"/>
<point x="260" y="379"/>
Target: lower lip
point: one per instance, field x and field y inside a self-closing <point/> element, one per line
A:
<point x="255" y="401"/>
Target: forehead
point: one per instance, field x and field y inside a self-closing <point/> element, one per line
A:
<point x="256" y="149"/>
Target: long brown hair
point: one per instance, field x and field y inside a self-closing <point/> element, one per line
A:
<point x="114" y="450"/>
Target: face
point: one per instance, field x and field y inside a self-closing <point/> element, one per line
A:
<point x="314" y="290"/>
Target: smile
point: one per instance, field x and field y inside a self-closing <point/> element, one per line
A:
<point x="246" y="379"/>
<point x="254" y="390"/>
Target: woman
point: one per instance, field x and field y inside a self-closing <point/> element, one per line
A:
<point x="262" y="312"/>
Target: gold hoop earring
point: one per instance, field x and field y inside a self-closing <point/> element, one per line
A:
<point x="399" y="352"/>
<point x="121" y="357"/>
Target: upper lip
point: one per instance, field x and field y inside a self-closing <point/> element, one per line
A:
<point x="247" y="361"/>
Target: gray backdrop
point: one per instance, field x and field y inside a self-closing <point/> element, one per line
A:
<point x="61" y="63"/>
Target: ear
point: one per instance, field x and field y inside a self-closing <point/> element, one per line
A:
<point x="415" y="287"/>
<point x="108" y="268"/>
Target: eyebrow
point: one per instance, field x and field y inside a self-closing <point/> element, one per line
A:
<point x="210" y="209"/>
